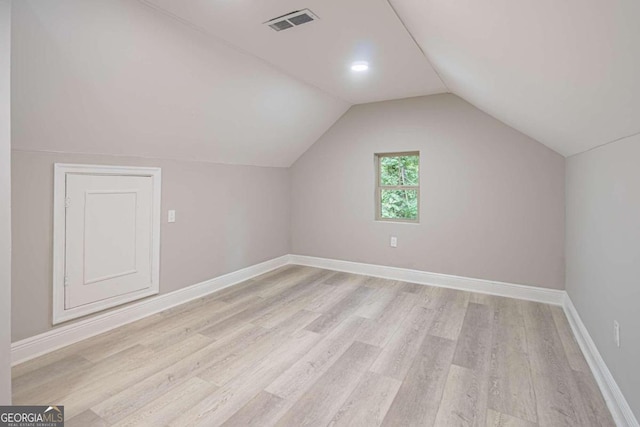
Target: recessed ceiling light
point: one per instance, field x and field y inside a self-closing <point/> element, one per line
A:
<point x="360" y="66"/>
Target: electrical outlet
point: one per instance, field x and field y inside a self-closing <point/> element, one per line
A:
<point x="393" y="242"/>
<point x="616" y="332"/>
<point x="171" y="217"/>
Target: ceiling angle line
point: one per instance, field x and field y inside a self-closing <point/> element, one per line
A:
<point x="605" y="144"/>
<point x="230" y="45"/>
<point x="435" y="70"/>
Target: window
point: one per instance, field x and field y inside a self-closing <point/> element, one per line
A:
<point x="398" y="186"/>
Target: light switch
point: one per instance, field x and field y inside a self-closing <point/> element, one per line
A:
<point x="172" y="216"/>
<point x="393" y="242"/>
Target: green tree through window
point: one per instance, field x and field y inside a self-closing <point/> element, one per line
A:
<point x="398" y="186"/>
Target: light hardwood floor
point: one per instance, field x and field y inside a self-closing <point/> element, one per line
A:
<point x="302" y="346"/>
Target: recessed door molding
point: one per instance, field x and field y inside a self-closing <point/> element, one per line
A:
<point x="62" y="311"/>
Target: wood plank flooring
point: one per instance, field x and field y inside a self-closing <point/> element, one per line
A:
<point x="301" y="346"/>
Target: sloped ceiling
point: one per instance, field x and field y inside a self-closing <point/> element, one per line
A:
<point x="322" y="52"/>
<point x="566" y="73"/>
<point x="116" y="77"/>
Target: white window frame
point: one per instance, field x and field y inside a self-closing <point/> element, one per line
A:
<point x="379" y="187"/>
<point x="60" y="314"/>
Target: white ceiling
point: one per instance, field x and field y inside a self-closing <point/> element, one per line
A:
<point x="134" y="81"/>
<point x="566" y="73"/>
<point x="116" y="77"/>
<point x="321" y="52"/>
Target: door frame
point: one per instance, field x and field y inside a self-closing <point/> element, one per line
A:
<point x="60" y="314"/>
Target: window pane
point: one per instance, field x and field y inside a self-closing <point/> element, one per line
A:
<point x="401" y="170"/>
<point x="399" y="204"/>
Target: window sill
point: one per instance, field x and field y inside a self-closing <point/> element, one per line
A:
<point x="396" y="221"/>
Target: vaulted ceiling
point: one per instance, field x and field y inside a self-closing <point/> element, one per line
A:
<point x="321" y="52"/>
<point x="565" y="73"/>
<point x="207" y="80"/>
<point x="116" y="77"/>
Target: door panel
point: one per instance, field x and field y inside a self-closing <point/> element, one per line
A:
<point x="108" y="237"/>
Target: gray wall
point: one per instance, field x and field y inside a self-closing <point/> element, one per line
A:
<point x="117" y="77"/>
<point x="228" y="217"/>
<point x="603" y="254"/>
<point x="5" y="203"/>
<point x="492" y="199"/>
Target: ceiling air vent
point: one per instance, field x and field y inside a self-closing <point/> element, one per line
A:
<point x="292" y="19"/>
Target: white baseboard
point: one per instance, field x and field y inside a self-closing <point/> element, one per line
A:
<point x="529" y="293"/>
<point x="62" y="336"/>
<point x="618" y="405"/>
<point x="616" y="402"/>
<point x="32" y="347"/>
<point x="65" y="335"/>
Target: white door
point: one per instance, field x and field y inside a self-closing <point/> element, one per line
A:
<point x="110" y="241"/>
<point x="108" y="235"/>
